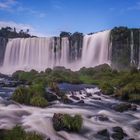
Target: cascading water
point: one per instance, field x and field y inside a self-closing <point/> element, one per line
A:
<point x="95" y="49"/>
<point x="42" y="53"/>
<point x="139" y="53"/>
<point x="132" y="48"/>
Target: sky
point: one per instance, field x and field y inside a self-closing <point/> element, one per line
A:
<point x="50" y="17"/>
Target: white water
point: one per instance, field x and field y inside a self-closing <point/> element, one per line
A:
<point x="96" y="49"/>
<point x="139" y="52"/>
<point x="42" y="53"/>
<point x="132" y="48"/>
<point x="40" y="120"/>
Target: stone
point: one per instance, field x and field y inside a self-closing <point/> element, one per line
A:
<point x="88" y="95"/>
<point x="103" y="133"/>
<point x="96" y="98"/>
<point x="118" y="133"/>
<point x="124" y="107"/>
<point x="75" y="97"/>
<point x="81" y="102"/>
<point x="102" y="118"/>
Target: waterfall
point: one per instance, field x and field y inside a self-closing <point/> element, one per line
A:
<point x="139" y="53"/>
<point x="48" y="52"/>
<point x="96" y="49"/>
<point x="132" y="48"/>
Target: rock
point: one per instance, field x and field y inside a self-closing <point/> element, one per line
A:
<point x="88" y="95"/>
<point x="66" y="100"/>
<point x="117" y="129"/>
<point x="118" y="133"/>
<point x="117" y="136"/>
<point x="103" y="133"/>
<point x="51" y="97"/>
<point x="96" y="98"/>
<point x="124" y="107"/>
<point x="81" y="102"/>
<point x="66" y="122"/>
<point x="102" y="118"/>
<point x="134" y="107"/>
<point x="98" y="93"/>
<point x="82" y="98"/>
<point x="75" y="97"/>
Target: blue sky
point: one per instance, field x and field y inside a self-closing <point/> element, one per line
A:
<point x="49" y="17"/>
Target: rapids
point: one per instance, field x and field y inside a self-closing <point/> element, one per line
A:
<point x="40" y="119"/>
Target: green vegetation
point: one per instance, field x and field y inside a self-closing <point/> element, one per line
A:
<point x="124" y="85"/>
<point x="17" y="133"/>
<point x="8" y="32"/>
<point x="38" y="101"/>
<point x="67" y="122"/>
<point x="32" y="95"/>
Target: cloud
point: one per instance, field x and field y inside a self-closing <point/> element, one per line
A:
<point x="30" y="11"/>
<point x="6" y="4"/>
<point x="57" y="4"/>
<point x="20" y="26"/>
<point x="17" y="7"/>
<point x="134" y="7"/>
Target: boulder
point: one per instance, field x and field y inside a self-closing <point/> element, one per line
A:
<point x="103" y="134"/>
<point x="124" y="107"/>
<point x="118" y="133"/>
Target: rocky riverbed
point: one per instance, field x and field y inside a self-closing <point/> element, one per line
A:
<point x="104" y="118"/>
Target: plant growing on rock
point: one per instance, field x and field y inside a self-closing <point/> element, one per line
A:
<point x="67" y="122"/>
<point x="39" y="101"/>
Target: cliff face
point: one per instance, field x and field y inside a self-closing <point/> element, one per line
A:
<point x="125" y="47"/>
<point x="3" y="42"/>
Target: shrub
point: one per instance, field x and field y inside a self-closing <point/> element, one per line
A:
<point x="107" y="88"/>
<point x="37" y="90"/>
<point x="130" y="92"/>
<point x="17" y="133"/>
<point x="33" y="136"/>
<point x="39" y="101"/>
<point x="67" y="122"/>
<point x="21" y="95"/>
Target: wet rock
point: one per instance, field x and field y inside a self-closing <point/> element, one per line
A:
<point x="103" y="134"/>
<point x="51" y="97"/>
<point x="118" y="133"/>
<point x="96" y="98"/>
<point x="75" y="97"/>
<point x="98" y="93"/>
<point x="102" y="118"/>
<point x="131" y="139"/>
<point x="117" y="129"/>
<point x="67" y="123"/>
<point x="66" y="100"/>
<point x="124" y="107"/>
<point x="81" y="102"/>
<point x="82" y="98"/>
<point x="117" y="136"/>
<point x="88" y="95"/>
<point x="133" y="107"/>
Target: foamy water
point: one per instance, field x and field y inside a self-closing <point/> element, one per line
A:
<point x="40" y="120"/>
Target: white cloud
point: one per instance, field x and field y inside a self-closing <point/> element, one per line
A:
<point x="134" y="7"/>
<point x="17" y="7"/>
<point x="6" y="4"/>
<point x="21" y="9"/>
<point x="20" y="26"/>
